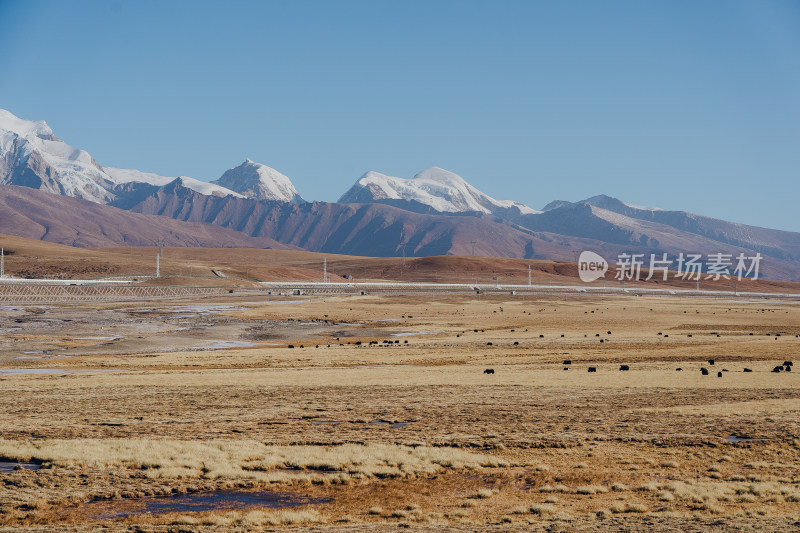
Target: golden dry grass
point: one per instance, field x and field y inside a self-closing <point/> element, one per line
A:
<point x="530" y="445"/>
<point x="164" y="458"/>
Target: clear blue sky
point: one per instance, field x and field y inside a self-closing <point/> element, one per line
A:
<point x="680" y="104"/>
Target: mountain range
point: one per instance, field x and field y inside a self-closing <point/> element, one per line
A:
<point x="52" y="191"/>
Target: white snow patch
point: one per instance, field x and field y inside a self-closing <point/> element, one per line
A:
<point x="124" y="175"/>
<point x="641" y="207"/>
<point x="127" y="175"/>
<point x="254" y="180"/>
<point x="438" y="188"/>
<point x="76" y="172"/>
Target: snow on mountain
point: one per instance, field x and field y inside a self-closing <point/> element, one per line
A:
<point x="642" y="208"/>
<point x="204" y="187"/>
<point x="254" y="180"/>
<point x="601" y="200"/>
<point x="32" y="156"/>
<point x="122" y="175"/>
<point x="127" y="175"/>
<point x="26" y="128"/>
<point x="435" y="187"/>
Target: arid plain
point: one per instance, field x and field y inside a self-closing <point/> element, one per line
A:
<point x="376" y="412"/>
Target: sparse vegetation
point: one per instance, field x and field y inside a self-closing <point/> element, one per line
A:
<point x="534" y="446"/>
<point x="253" y="518"/>
<point x="162" y="458"/>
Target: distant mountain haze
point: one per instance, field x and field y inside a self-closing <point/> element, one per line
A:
<point x="436" y="212"/>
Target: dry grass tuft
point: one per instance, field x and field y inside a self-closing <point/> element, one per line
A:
<point x="253" y="518"/>
<point x="542" y="509"/>
<point x="174" y="459"/>
<point x="591" y="489"/>
<point x="629" y="508"/>
<point x="554" y="488"/>
<point x="484" y="493"/>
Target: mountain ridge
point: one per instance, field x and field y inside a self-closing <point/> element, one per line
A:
<point x="436" y="212"/>
<point x="434" y="188"/>
<point x="256" y="180"/>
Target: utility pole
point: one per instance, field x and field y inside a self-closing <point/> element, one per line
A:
<point x="324" y="270"/>
<point x="473" y="243"/>
<point x="529" y="275"/>
<point x="404" y="255"/>
<point x="158" y="266"/>
<point x="2" y="262"/>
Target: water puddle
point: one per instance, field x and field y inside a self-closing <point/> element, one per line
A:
<point x="17" y="371"/>
<point x="412" y="333"/>
<point x="378" y="366"/>
<point x="6" y="467"/>
<point x="206" y="309"/>
<point x="22" y="371"/>
<point x="219" y="345"/>
<point x="733" y="439"/>
<point x="224" y="500"/>
<point x="96" y="338"/>
<point x="393" y="425"/>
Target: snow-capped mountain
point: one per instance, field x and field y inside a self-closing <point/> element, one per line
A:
<point x="32" y="156"/>
<point x="436" y="188"/>
<point x="254" y="180"/>
<point x="259" y="202"/>
<point x="604" y="201"/>
<point x="122" y="176"/>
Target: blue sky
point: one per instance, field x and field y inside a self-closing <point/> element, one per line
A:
<point x="679" y="104"/>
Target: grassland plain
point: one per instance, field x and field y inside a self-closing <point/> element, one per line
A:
<point x="133" y="402"/>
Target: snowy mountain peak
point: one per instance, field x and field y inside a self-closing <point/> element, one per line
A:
<point x="122" y="176"/>
<point x="440" y="175"/>
<point x="26" y="128"/>
<point x="603" y="201"/>
<point x="32" y="156"/>
<point x="254" y="180"/>
<point x="435" y="188"/>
